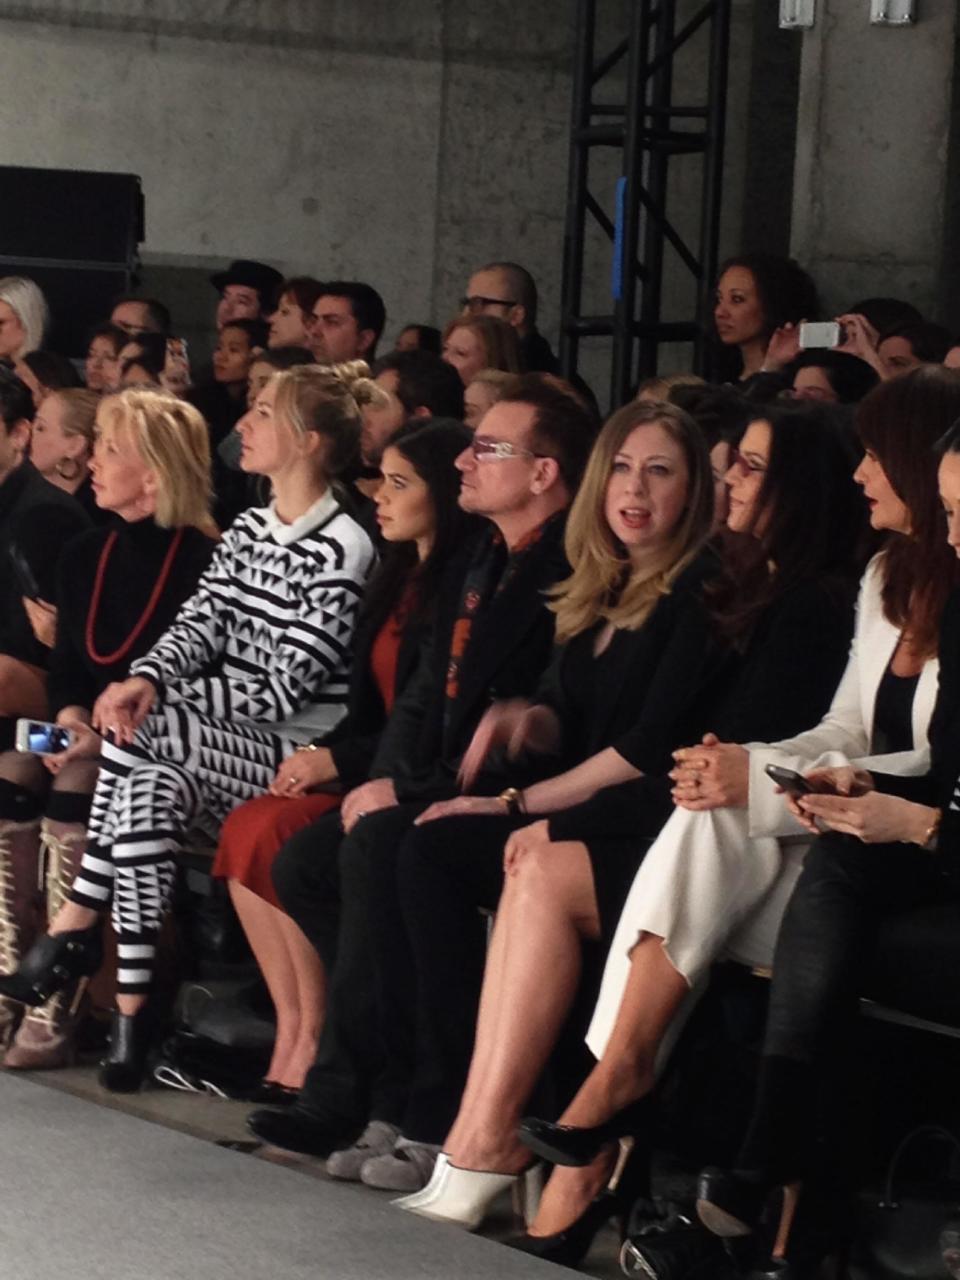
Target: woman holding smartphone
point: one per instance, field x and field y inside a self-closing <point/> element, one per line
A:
<point x="254" y="666"/>
<point x="119" y="588"/>
<point x="891" y="849"/>
<point x="783" y="604"/>
<point x="717" y="880"/>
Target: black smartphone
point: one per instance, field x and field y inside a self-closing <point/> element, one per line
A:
<point x="24" y="574"/>
<point x="795" y="784"/>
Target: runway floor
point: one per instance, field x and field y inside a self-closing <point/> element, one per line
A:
<point x="90" y="1192"/>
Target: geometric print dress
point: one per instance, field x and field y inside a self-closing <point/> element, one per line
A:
<point x="256" y="664"/>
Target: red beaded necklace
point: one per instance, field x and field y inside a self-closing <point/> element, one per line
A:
<point x="107" y="659"/>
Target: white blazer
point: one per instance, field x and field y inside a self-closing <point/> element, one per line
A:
<point x="845" y="733"/>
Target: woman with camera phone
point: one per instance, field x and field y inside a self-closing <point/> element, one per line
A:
<point x="717" y="881"/>
<point x="254" y="665"/>
<point x="119" y="587"/>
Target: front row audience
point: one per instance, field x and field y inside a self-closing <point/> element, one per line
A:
<point x="552" y="704"/>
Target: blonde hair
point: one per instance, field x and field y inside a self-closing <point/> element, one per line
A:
<point x="602" y="585"/>
<point x="499" y="381"/>
<point x="79" y="412"/>
<point x="172" y="438"/>
<point x="328" y="399"/>
<point x="26" y="300"/>
<point x="659" y="388"/>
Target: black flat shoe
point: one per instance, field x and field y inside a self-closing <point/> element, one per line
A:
<point x="125" y="1066"/>
<point x="52" y="963"/>
<point x="300" y="1130"/>
<point x="565" y="1144"/>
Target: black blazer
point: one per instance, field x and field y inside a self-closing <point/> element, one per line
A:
<point x="353" y="742"/>
<point x="509" y="648"/>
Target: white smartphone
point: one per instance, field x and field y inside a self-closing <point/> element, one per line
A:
<point x="41" y="738"/>
<point x="825" y="333"/>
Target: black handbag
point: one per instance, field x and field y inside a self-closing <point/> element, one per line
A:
<point x="905" y="1232"/>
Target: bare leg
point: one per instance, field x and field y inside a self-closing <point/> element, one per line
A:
<point x="130" y="1004"/>
<point x="273" y="956"/>
<point x="651" y="999"/>
<point x="311" y="983"/>
<point x="547" y="908"/>
<point x="73" y="916"/>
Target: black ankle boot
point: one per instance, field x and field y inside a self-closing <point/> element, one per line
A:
<point x="52" y="963"/>
<point x="124" y="1067"/>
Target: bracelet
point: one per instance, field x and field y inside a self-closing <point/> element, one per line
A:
<point x="929" y="841"/>
<point x="512" y="797"/>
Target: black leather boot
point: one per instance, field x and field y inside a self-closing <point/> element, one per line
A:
<point x="125" y="1066"/>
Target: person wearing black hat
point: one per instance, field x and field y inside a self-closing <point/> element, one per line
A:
<point x="247" y="291"/>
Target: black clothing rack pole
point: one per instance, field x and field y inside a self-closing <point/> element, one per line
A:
<point x="648" y="128"/>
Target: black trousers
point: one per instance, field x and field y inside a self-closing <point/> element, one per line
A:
<point x="341" y="891"/>
<point x="823" y="963"/>
<point x="448" y="872"/>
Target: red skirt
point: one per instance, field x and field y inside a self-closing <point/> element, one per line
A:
<point x="253" y="835"/>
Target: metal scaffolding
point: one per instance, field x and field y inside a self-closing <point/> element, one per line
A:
<point x="647" y="129"/>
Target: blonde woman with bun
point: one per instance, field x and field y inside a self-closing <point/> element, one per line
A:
<point x="254" y="666"/>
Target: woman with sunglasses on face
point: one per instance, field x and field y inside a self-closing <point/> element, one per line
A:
<point x="716" y="882"/>
<point x="783" y="607"/>
<point x="422" y="525"/>
<point x="254" y="666"/>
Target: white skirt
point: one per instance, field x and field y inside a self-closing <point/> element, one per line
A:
<point x="711" y="892"/>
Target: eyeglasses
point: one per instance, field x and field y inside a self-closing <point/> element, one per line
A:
<point x="477" y="302"/>
<point x="483" y="447"/>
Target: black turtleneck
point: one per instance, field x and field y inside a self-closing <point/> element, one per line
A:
<point x="134" y="564"/>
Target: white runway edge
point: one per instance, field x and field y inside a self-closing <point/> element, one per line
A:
<point x="88" y="1193"/>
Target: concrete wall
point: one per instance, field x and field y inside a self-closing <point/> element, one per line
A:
<point x="400" y="144"/>
<point x="874" y="151"/>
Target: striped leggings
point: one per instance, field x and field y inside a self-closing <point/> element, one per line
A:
<point x="184" y="771"/>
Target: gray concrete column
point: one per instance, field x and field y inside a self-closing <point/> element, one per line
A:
<point x="874" y="142"/>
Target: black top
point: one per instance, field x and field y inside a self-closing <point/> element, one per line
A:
<point x="510" y="645"/>
<point x="132" y="570"/>
<point x="85" y="496"/>
<point x="651" y="690"/>
<point x="939" y="786"/>
<point x="536" y="355"/>
<point x="782" y="683"/>
<point x="893" y="713"/>
<point x="40" y="519"/>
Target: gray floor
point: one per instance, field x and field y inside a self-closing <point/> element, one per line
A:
<point x="91" y="1192"/>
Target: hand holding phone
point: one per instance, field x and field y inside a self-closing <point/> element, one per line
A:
<point x="41" y="738"/>
<point x="788" y="780"/>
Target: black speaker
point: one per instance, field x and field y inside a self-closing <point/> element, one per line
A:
<point x="76" y="234"/>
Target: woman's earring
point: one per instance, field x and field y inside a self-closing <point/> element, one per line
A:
<point x="68" y="469"/>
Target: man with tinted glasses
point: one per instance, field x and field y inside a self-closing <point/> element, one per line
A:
<point x="509" y="291"/>
<point x="492" y="639"/>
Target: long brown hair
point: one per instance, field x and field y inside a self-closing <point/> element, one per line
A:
<point x="900" y="422"/>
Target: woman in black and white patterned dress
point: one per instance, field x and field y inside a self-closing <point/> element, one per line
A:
<point x="255" y="665"/>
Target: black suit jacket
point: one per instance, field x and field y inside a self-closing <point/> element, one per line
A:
<point x="353" y="743"/>
<point x="509" y="648"/>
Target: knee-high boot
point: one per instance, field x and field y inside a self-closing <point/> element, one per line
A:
<point x="45" y="1036"/>
<point x="19" y="906"/>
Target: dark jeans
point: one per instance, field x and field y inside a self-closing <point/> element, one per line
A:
<point x="341" y="891"/>
<point x="822" y="965"/>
